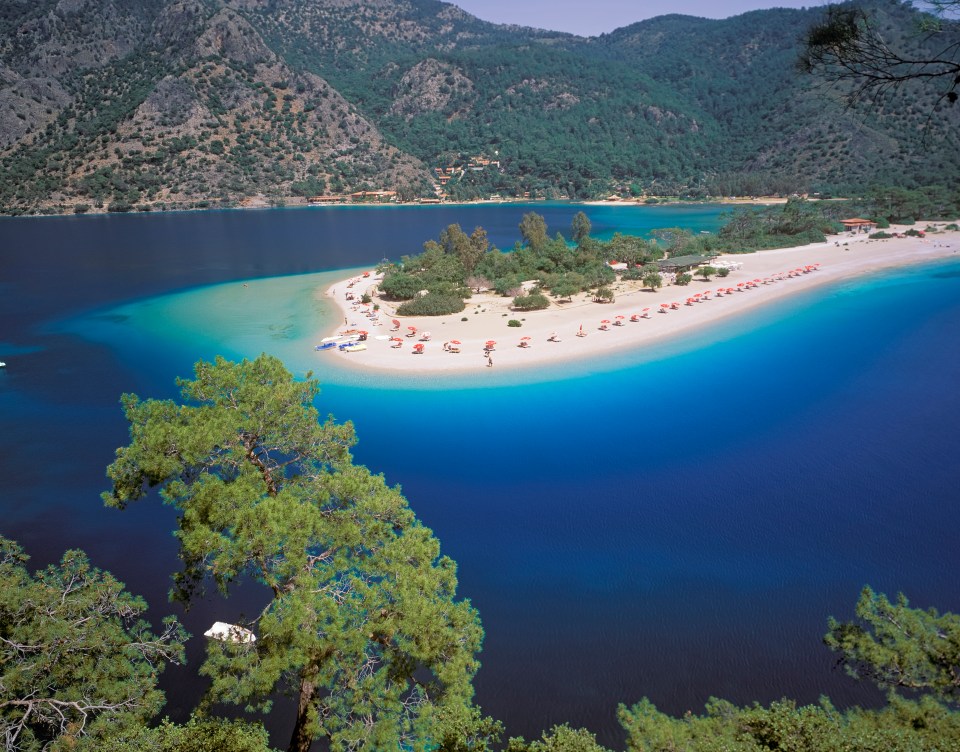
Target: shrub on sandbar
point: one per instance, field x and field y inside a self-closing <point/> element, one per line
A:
<point x="431" y="304"/>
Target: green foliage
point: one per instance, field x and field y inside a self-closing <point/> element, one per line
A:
<point x="653" y="280"/>
<point x="903" y="726"/>
<point x="514" y="323"/>
<point x="706" y="272"/>
<point x="603" y="295"/>
<point x="76" y="660"/>
<point x="432" y="304"/>
<point x="398" y="285"/>
<point x="533" y="230"/>
<point x="559" y="739"/>
<point x="798" y="222"/>
<point x="880" y="235"/>
<point x="683" y="279"/>
<point x="197" y="735"/>
<point x="534" y="301"/>
<point x="362" y="625"/>
<point x="899" y="647"/>
<point x="580" y="228"/>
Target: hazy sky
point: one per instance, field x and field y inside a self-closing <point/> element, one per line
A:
<point x="592" y="17"/>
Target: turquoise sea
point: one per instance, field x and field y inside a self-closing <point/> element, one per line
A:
<point x="673" y="524"/>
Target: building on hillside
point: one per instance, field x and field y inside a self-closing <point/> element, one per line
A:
<point x="326" y="199"/>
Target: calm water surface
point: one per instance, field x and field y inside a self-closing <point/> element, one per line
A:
<point x="675" y="525"/>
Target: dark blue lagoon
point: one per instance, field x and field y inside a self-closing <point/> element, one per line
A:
<point x="675" y="527"/>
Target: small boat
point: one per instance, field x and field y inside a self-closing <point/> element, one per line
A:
<point x="325" y="346"/>
<point x="353" y="346"/>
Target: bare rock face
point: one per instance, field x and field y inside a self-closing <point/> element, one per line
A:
<point x="172" y="103"/>
<point x="230" y="36"/>
<point x="430" y="86"/>
<point x="27" y="104"/>
<point x="179" y="23"/>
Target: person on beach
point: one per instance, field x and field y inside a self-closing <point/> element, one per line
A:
<point x="489" y="361"/>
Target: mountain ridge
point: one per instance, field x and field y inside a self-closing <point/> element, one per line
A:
<point x="116" y="104"/>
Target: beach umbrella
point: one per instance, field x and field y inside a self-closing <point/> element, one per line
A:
<point x="619" y="316"/>
<point x="454" y="342"/>
<point x="395" y="323"/>
<point x="491" y="342"/>
<point x="605" y="321"/>
<point x="646" y="309"/>
<point x="412" y="328"/>
<point x="523" y="338"/>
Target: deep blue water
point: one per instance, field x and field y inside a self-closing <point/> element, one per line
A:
<point x="676" y="528"/>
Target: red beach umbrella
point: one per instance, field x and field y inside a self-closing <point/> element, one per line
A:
<point x="604" y="321"/>
<point x="454" y="342"/>
<point x="646" y="309"/>
<point x="395" y="322"/>
<point x="412" y="328"/>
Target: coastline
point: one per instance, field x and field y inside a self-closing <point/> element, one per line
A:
<point x="765" y="278"/>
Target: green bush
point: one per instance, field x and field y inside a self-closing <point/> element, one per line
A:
<point x="400" y="286"/>
<point x="514" y="323"/>
<point x="880" y="235"/>
<point x="723" y="272"/>
<point x="683" y="280"/>
<point x="431" y="304"/>
<point x="535" y="301"/>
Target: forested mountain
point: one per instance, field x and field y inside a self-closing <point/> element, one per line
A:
<point x="135" y="104"/>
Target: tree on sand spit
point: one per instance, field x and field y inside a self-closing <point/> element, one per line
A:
<point x="363" y="627"/>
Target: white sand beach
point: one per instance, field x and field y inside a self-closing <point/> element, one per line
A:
<point x="636" y="317"/>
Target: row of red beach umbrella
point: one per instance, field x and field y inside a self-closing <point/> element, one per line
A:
<point x="618" y="320"/>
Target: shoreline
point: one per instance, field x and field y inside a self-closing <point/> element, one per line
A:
<point x="291" y="204"/>
<point x="764" y="278"/>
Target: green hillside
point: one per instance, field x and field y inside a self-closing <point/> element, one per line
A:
<point x="124" y="105"/>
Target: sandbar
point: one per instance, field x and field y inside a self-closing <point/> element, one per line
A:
<point x="636" y="318"/>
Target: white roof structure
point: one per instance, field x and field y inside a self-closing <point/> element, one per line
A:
<point x="230" y="633"/>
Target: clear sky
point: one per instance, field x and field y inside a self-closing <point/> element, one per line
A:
<point x="593" y="17"/>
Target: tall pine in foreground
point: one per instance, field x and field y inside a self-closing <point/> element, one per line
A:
<point x="363" y="626"/>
